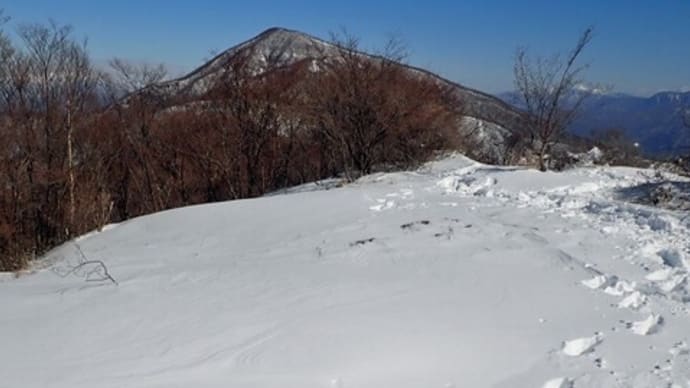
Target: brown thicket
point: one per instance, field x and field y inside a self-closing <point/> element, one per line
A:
<point x="81" y="148"/>
<point x="371" y="112"/>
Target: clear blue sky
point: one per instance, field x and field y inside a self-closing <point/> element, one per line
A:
<point x="641" y="46"/>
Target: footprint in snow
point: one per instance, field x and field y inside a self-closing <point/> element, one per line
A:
<point x="580" y="346"/>
<point x="679" y="349"/>
<point x="535" y="238"/>
<point x="362" y="242"/>
<point x="414" y="226"/>
<point x="600" y="363"/>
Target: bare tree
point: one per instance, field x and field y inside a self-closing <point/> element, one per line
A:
<point x="80" y="83"/>
<point x="136" y="100"/>
<point x="248" y="119"/>
<point x="10" y="171"/>
<point x="128" y="77"/>
<point x="685" y="161"/>
<point x="6" y="52"/>
<point x="55" y="85"/>
<point x="546" y="88"/>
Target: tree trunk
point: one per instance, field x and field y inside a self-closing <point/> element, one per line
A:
<point x="70" y="171"/>
<point x="542" y="157"/>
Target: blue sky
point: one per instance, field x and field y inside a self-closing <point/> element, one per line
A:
<point x="641" y="46"/>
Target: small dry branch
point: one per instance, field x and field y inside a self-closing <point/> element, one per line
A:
<point x="90" y="270"/>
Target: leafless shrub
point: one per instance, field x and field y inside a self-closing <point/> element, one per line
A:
<point x="546" y="88"/>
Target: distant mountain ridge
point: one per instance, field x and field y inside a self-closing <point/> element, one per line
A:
<point x="655" y="122"/>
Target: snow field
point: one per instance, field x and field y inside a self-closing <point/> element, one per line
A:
<point x="456" y="275"/>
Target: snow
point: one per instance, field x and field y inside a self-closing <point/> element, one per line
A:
<point x="488" y="138"/>
<point x="560" y="382"/>
<point x="455" y="275"/>
<point x="599" y="281"/>
<point x="589" y="158"/>
<point x="633" y="301"/>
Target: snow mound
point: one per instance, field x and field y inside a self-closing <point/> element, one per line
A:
<point x="650" y="325"/>
<point x="633" y="301"/>
<point x="599" y="282"/>
<point x="580" y="346"/>
<point x="467" y="185"/>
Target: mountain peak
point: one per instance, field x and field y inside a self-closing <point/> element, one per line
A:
<point x="283" y="39"/>
<point x="278" y="31"/>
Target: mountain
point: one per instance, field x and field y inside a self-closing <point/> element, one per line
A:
<point x="494" y="118"/>
<point x="655" y="122"/>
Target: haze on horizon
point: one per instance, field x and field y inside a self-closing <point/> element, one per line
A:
<point x="640" y="47"/>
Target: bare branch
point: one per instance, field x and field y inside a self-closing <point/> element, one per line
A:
<point x="546" y="87"/>
<point x="95" y="270"/>
<point x="132" y="77"/>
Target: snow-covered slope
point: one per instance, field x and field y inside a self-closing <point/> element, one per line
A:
<point x="456" y="275"/>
